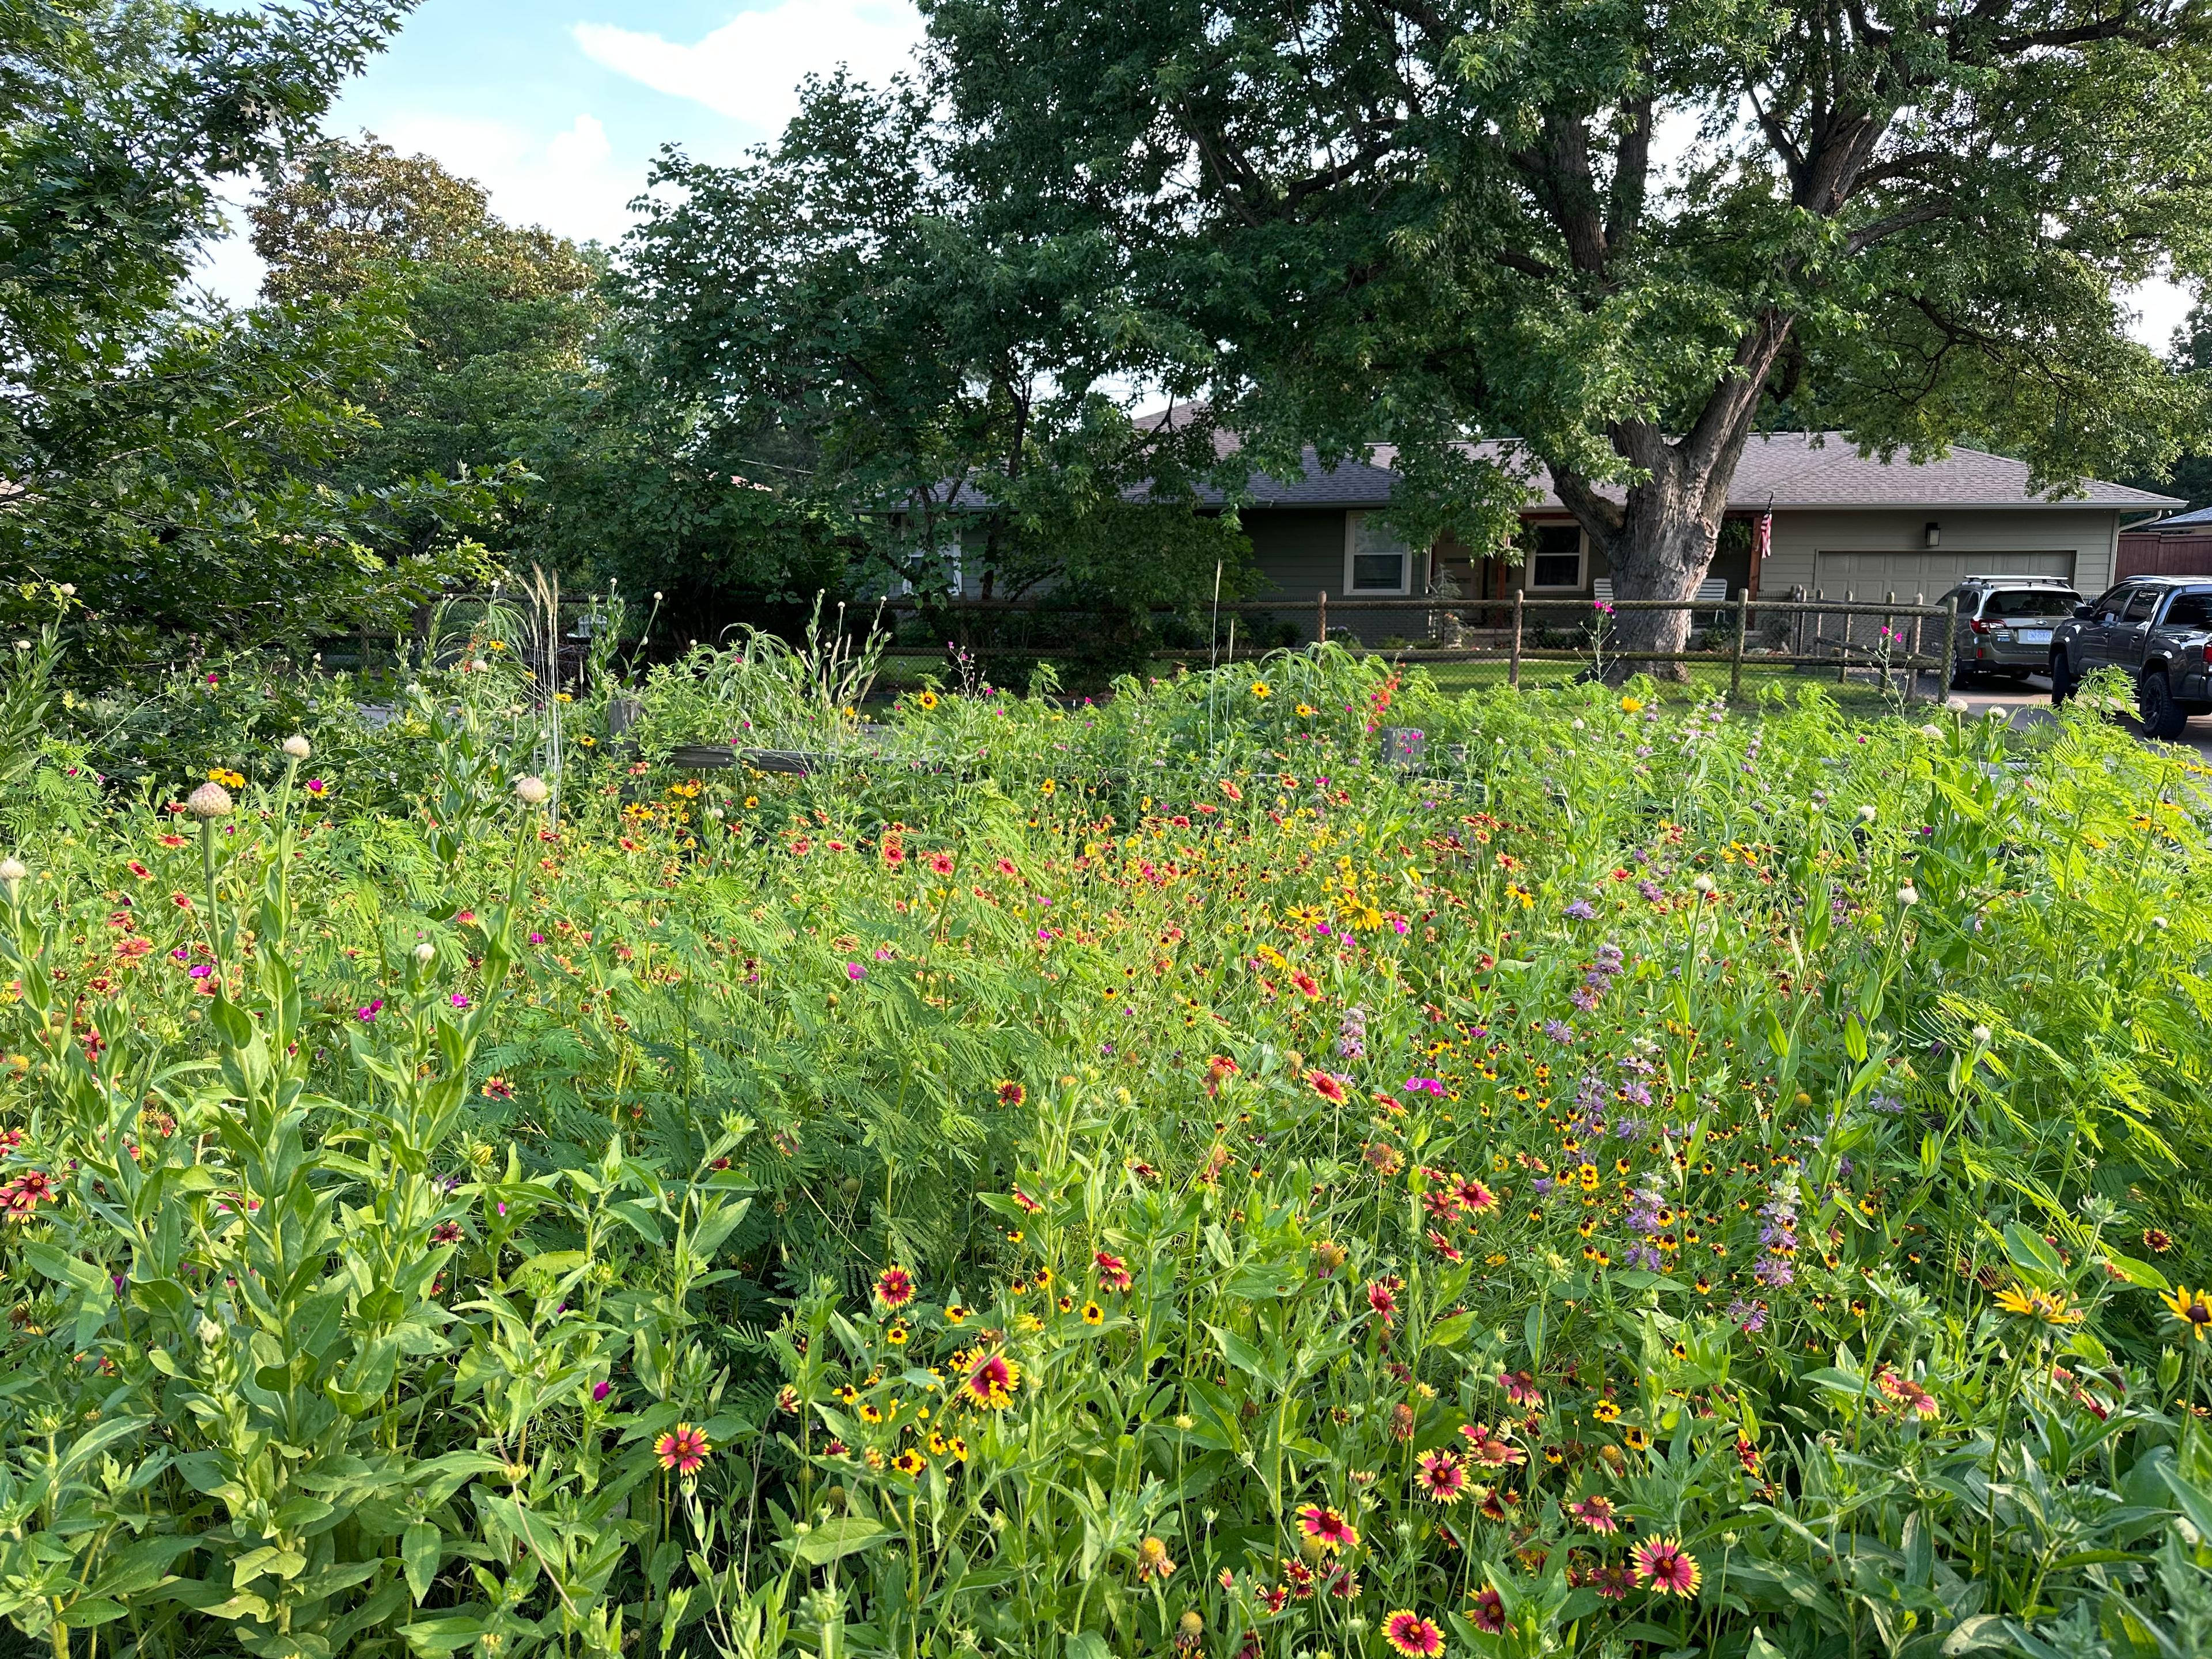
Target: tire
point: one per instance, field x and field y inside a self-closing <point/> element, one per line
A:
<point x="2063" y="683"/>
<point x="1962" y="677"/>
<point x="2163" y="717"/>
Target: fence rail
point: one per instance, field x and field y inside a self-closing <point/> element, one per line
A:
<point x="1893" y="652"/>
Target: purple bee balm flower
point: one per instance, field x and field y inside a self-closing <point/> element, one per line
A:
<point x="1583" y="910"/>
<point x="1558" y="1030"/>
<point x="1749" y="1316"/>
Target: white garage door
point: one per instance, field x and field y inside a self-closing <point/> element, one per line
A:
<point x="1875" y="575"/>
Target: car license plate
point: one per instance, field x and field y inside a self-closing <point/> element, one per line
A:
<point x="2035" y="636"/>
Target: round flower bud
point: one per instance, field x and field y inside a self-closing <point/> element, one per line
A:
<point x="1982" y="1035"/>
<point x="12" y="869"/>
<point x="1702" y="882"/>
<point x="297" y="746"/>
<point x="1867" y="814"/>
<point x="1908" y="895"/>
<point x="1932" y="733"/>
<point x="208" y="1331"/>
<point x="68" y="590"/>
<point x="532" y="791"/>
<point x="210" y="800"/>
<point x="1957" y="705"/>
<point x="2159" y="922"/>
<point x="425" y="951"/>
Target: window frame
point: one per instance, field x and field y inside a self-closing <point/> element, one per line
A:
<point x="1354" y="520"/>
<point x="1581" y="582"/>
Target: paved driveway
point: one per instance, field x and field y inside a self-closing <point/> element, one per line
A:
<point x="2030" y="701"/>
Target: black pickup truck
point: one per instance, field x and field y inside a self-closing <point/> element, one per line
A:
<point x="2152" y="628"/>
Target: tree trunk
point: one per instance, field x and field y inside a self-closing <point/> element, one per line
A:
<point x="1659" y="542"/>
<point x="1662" y="552"/>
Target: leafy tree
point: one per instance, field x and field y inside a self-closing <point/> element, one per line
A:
<point x="1417" y="221"/>
<point x="897" y="364"/>
<point x="172" y="461"/>
<point x="499" y="321"/>
<point x="2189" y="476"/>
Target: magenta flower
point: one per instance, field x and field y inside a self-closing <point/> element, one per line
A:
<point x="459" y="1000"/>
<point x="367" y="1015"/>
<point x="855" y="971"/>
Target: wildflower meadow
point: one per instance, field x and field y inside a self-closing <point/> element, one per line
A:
<point x="1202" y="1171"/>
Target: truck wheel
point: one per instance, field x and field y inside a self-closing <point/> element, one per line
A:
<point x="2163" y="717"/>
<point x="2063" y="683"/>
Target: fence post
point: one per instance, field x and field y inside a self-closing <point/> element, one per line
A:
<point x="1888" y="638"/>
<point x="1513" y="670"/>
<point x="1321" y="625"/>
<point x="1950" y="645"/>
<point x="1843" y="651"/>
<point x="1912" y="680"/>
<point x="1735" y="662"/>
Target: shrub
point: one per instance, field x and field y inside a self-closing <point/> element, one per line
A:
<point x="1138" y="1177"/>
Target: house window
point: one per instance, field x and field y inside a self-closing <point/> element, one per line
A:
<point x="1375" y="561"/>
<point x="1557" y="561"/>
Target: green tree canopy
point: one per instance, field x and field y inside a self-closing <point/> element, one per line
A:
<point x="1418" y="222"/>
<point x="499" y="323"/>
<point x="889" y="353"/>
<point x="173" y="461"/>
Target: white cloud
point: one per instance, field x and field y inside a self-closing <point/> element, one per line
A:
<point x="750" y="68"/>
<point x="570" y="183"/>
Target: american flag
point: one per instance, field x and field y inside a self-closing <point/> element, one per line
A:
<point x="1762" y="539"/>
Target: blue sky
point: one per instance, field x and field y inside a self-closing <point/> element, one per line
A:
<point x="557" y="106"/>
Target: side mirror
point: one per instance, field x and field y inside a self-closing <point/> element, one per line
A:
<point x="2085" y="611"/>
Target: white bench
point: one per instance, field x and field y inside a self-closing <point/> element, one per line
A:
<point x="1712" y="591"/>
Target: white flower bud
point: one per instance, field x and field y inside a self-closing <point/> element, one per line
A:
<point x="1702" y="882"/>
<point x="1908" y="895"/>
<point x="68" y="590"/>
<point x="1932" y="733"/>
<point x="1957" y="705"/>
<point x="1578" y="726"/>
<point x="1996" y="711"/>
<point x="1867" y="814"/>
<point x="425" y="951"/>
<point x="478" y="665"/>
<point x="532" y="791"/>
<point x="2159" y="922"/>
<point x="297" y="746"/>
<point x="210" y="800"/>
<point x="12" y="869"/>
<point x="1981" y="1034"/>
<point x="208" y="1331"/>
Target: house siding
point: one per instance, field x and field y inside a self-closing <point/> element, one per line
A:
<point x="1973" y="541"/>
<point x="1299" y="553"/>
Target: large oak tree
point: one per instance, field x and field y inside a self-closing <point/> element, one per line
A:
<point x="1624" y="234"/>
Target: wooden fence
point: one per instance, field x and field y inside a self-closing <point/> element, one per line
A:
<point x="1896" y="648"/>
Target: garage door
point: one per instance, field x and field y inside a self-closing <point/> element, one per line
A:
<point x="1875" y="575"/>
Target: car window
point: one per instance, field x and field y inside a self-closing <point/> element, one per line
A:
<point x="2190" y="610"/>
<point x="2110" y="605"/>
<point x="2141" y="604"/>
<point x="2031" y="602"/>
